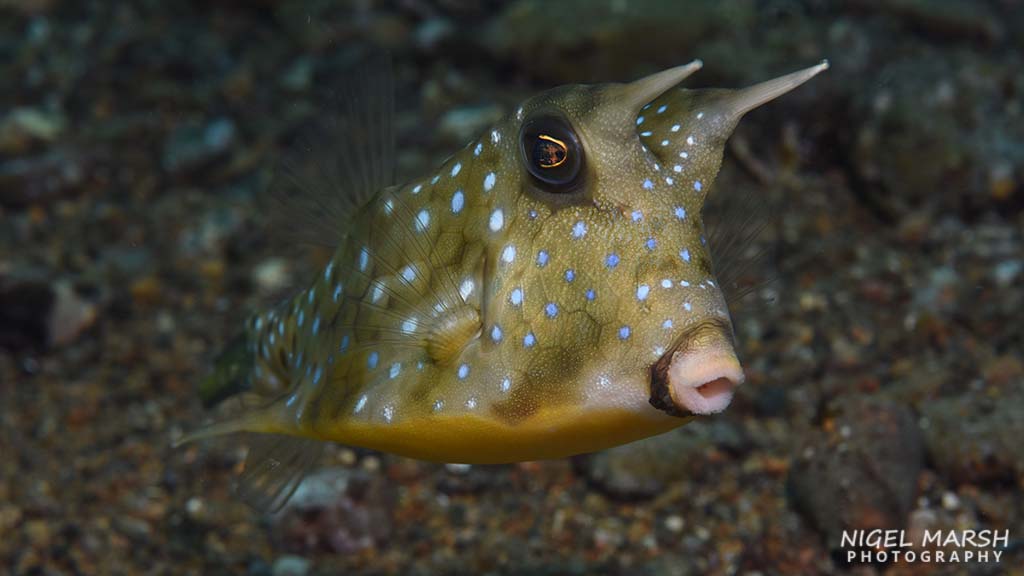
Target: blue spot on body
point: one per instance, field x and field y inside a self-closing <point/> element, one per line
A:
<point x="344" y="343"/>
<point x="697" y="185"/>
<point x="372" y="359"/>
<point x="651" y="243"/>
<point x="648" y="185"/>
<point x="551" y="309"/>
<point x="684" y="254"/>
<point x="590" y="294"/>
<point x="570" y="275"/>
<point x="612" y="260"/>
<point x="624" y="332"/>
<point x="542" y="258"/>
<point x="529" y="340"/>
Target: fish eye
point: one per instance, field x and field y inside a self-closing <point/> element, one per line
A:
<point x="552" y="153"/>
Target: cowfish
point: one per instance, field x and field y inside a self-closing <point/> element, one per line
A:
<point x="547" y="291"/>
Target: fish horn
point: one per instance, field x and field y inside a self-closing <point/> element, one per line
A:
<point x="639" y="93"/>
<point x="746" y="99"/>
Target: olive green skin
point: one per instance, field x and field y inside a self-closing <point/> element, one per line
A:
<point x="484" y="314"/>
<point x="419" y="311"/>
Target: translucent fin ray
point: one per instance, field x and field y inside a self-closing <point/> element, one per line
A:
<point x="340" y="162"/>
<point x="274" y="468"/>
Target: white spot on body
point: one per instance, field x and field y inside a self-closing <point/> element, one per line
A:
<point x="579" y="229"/>
<point x="516" y="297"/>
<point x="497" y="220"/>
<point x="377" y="293"/>
<point x="642" y="291"/>
<point x="458" y="201"/>
<point x="408" y="273"/>
<point x="496" y="333"/>
<point x="495" y="136"/>
<point x="389" y="206"/>
<point x="388" y="412"/>
<point x="489" y="180"/>
<point x="508" y="255"/>
<point x="506" y="384"/>
<point x="666" y="283"/>
<point x="395" y="370"/>
<point x="360" y="404"/>
<point x="409" y="325"/>
<point x="697" y="185"/>
<point x="422" y="220"/>
<point x="416" y="189"/>
<point x="478" y="149"/>
<point x="689" y="140"/>
<point x="466" y="288"/>
<point x="648" y="185"/>
<point x="471" y="403"/>
<point x="662" y="108"/>
<point x="685" y="254"/>
<point x="675" y="127"/>
<point x="463" y="371"/>
<point x="456" y="169"/>
<point x="680" y="212"/>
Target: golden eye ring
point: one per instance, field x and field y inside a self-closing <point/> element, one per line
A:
<point x="552" y="151"/>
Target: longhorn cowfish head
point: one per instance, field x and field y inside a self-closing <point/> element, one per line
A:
<point x="548" y="291"/>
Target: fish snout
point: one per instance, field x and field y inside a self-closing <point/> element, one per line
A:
<point x="699" y="375"/>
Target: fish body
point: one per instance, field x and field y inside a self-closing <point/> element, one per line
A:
<point x="548" y="291"/>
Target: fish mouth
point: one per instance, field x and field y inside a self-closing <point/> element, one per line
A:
<point x="699" y="376"/>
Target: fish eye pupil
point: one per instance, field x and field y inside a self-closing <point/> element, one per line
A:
<point x="549" y="152"/>
<point x="552" y="154"/>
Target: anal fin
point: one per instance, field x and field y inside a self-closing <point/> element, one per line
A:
<point x="275" y="467"/>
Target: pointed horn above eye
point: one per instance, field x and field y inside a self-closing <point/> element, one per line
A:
<point x="641" y="92"/>
<point x="746" y="99"/>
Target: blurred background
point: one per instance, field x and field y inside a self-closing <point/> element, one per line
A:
<point x="884" y="361"/>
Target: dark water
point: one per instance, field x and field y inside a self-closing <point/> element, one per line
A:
<point x="884" y="362"/>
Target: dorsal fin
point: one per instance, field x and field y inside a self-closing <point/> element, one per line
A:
<point x="340" y="161"/>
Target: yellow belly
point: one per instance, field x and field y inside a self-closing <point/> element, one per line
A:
<point x="471" y="439"/>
